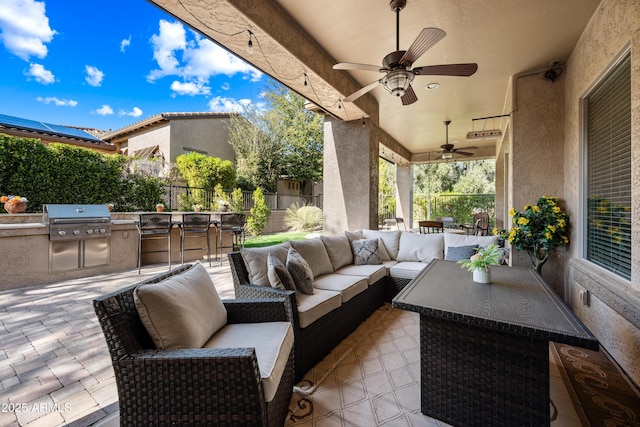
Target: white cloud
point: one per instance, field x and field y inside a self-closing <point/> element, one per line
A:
<point x="190" y="88"/>
<point x="40" y="74"/>
<point x="136" y="112"/>
<point x="94" y="75"/>
<point x="194" y="60"/>
<point x="124" y="44"/>
<point x="57" y="101"/>
<point x="105" y="110"/>
<point x="225" y="86"/>
<point x="228" y="105"/>
<point x="25" y="28"/>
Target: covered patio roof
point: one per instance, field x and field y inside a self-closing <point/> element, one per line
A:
<point x="296" y="42"/>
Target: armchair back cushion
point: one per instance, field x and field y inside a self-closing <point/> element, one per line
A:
<point x="255" y="260"/>
<point x="420" y="247"/>
<point x="339" y="250"/>
<point x="182" y="311"/>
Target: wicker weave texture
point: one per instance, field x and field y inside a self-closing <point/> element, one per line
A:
<point x="474" y="376"/>
<point x="189" y="386"/>
<point x="317" y="340"/>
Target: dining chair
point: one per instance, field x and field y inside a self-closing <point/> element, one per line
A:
<point x="427" y="227"/>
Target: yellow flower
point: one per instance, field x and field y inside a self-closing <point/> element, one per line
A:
<point x="527" y="207"/>
<point x="513" y="233"/>
<point x="536" y="208"/>
<point x="512" y="212"/>
<point x="495" y="231"/>
<point x="551" y="228"/>
<point x="556" y="209"/>
<point x="547" y="235"/>
<point x="565" y="239"/>
<point x="561" y="223"/>
<point x="523" y="221"/>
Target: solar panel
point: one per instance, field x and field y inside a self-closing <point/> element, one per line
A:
<point x="33" y="125"/>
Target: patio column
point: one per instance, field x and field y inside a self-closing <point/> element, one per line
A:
<point x="350" y="177"/>
<point x="404" y="193"/>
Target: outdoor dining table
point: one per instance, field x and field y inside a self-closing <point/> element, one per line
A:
<point x="484" y="348"/>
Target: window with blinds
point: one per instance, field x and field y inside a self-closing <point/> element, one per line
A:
<point x="608" y="148"/>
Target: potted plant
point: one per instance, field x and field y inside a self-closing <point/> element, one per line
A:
<point x="110" y="207"/>
<point x="539" y="229"/>
<point x="197" y="207"/>
<point x="14" y="204"/>
<point x="160" y="207"/>
<point x="479" y="263"/>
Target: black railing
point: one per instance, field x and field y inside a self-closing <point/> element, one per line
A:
<point x="183" y="197"/>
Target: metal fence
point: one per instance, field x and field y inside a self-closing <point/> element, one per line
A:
<point x="460" y="207"/>
<point x="179" y="196"/>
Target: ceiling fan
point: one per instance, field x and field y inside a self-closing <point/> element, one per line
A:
<point x="397" y="65"/>
<point x="448" y="151"/>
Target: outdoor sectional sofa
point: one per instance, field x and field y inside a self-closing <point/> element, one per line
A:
<point x="345" y="291"/>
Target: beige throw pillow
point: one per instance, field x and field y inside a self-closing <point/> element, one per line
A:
<point x="279" y="276"/>
<point x="300" y="271"/>
<point x="183" y="311"/>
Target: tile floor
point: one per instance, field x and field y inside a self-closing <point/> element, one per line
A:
<point x="54" y="364"/>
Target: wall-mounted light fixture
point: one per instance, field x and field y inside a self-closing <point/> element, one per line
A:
<point x="476" y="135"/>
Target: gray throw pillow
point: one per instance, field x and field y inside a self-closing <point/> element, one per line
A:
<point x="457" y="253"/>
<point x="365" y="251"/>
<point x="300" y="271"/>
<point x="279" y="276"/>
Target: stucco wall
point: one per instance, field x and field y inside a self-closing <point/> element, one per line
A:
<point x="613" y="314"/>
<point x="159" y="136"/>
<point x="209" y="135"/>
<point x="537" y="156"/>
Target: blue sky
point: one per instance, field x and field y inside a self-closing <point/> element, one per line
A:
<point x="107" y="64"/>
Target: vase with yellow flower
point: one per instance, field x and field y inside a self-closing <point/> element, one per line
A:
<point x="14" y="204"/>
<point x="539" y="230"/>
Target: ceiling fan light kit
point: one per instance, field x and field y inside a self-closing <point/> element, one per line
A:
<point x="448" y="150"/>
<point x="397" y="65"/>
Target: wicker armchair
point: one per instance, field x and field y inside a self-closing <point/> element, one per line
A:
<point x="190" y="386"/>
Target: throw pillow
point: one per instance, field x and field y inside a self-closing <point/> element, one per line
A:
<point x="456" y="253"/>
<point x="391" y="240"/>
<point x="354" y="235"/>
<point x="279" y="276"/>
<point x="365" y="251"/>
<point x="182" y="311"/>
<point x="300" y="271"/>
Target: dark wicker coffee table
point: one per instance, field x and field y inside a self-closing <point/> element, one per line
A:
<point x="484" y="349"/>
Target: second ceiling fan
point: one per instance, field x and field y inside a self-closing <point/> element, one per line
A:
<point x="447" y="151"/>
<point x="397" y="65"/>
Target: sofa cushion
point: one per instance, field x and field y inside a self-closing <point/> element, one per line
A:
<point x="457" y="253"/>
<point x="373" y="273"/>
<point x="388" y="265"/>
<point x="339" y="250"/>
<point x="421" y="247"/>
<point x="407" y="269"/>
<point x="182" y="311"/>
<point x="452" y="239"/>
<point x="279" y="276"/>
<point x="365" y="251"/>
<point x="255" y="260"/>
<point x="300" y="271"/>
<point x="313" y="307"/>
<point x="354" y="235"/>
<point x="273" y="342"/>
<point x="314" y="252"/>
<point x="347" y="286"/>
<point x="382" y="251"/>
<point x="391" y="240"/>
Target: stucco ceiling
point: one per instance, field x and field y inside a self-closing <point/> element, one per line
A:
<point x="295" y="37"/>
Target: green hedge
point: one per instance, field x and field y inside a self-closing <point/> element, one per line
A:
<point x="60" y="173"/>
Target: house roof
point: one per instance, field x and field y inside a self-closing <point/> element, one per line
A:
<point x="50" y="132"/>
<point x="160" y="118"/>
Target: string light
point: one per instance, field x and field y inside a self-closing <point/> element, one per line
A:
<point x="250" y="44"/>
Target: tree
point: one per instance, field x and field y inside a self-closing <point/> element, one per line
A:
<point x="284" y="139"/>
<point x="205" y="171"/>
<point x="259" y="213"/>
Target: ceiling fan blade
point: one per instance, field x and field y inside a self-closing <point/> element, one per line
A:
<point x="464" y="70"/>
<point x="471" y="147"/>
<point x="425" y="40"/>
<point x="359" y="93"/>
<point x="464" y="153"/>
<point x="409" y="97"/>
<point x="354" y="66"/>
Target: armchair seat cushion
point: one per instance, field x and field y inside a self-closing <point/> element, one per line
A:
<point x="348" y="286"/>
<point x="407" y="269"/>
<point x="314" y="306"/>
<point x="373" y="273"/>
<point x="273" y="342"/>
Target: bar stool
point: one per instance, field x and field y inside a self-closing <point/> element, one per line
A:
<point x="233" y="223"/>
<point x="195" y="225"/>
<point x="153" y="226"/>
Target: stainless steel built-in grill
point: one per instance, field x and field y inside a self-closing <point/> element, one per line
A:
<point x="78" y="236"/>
